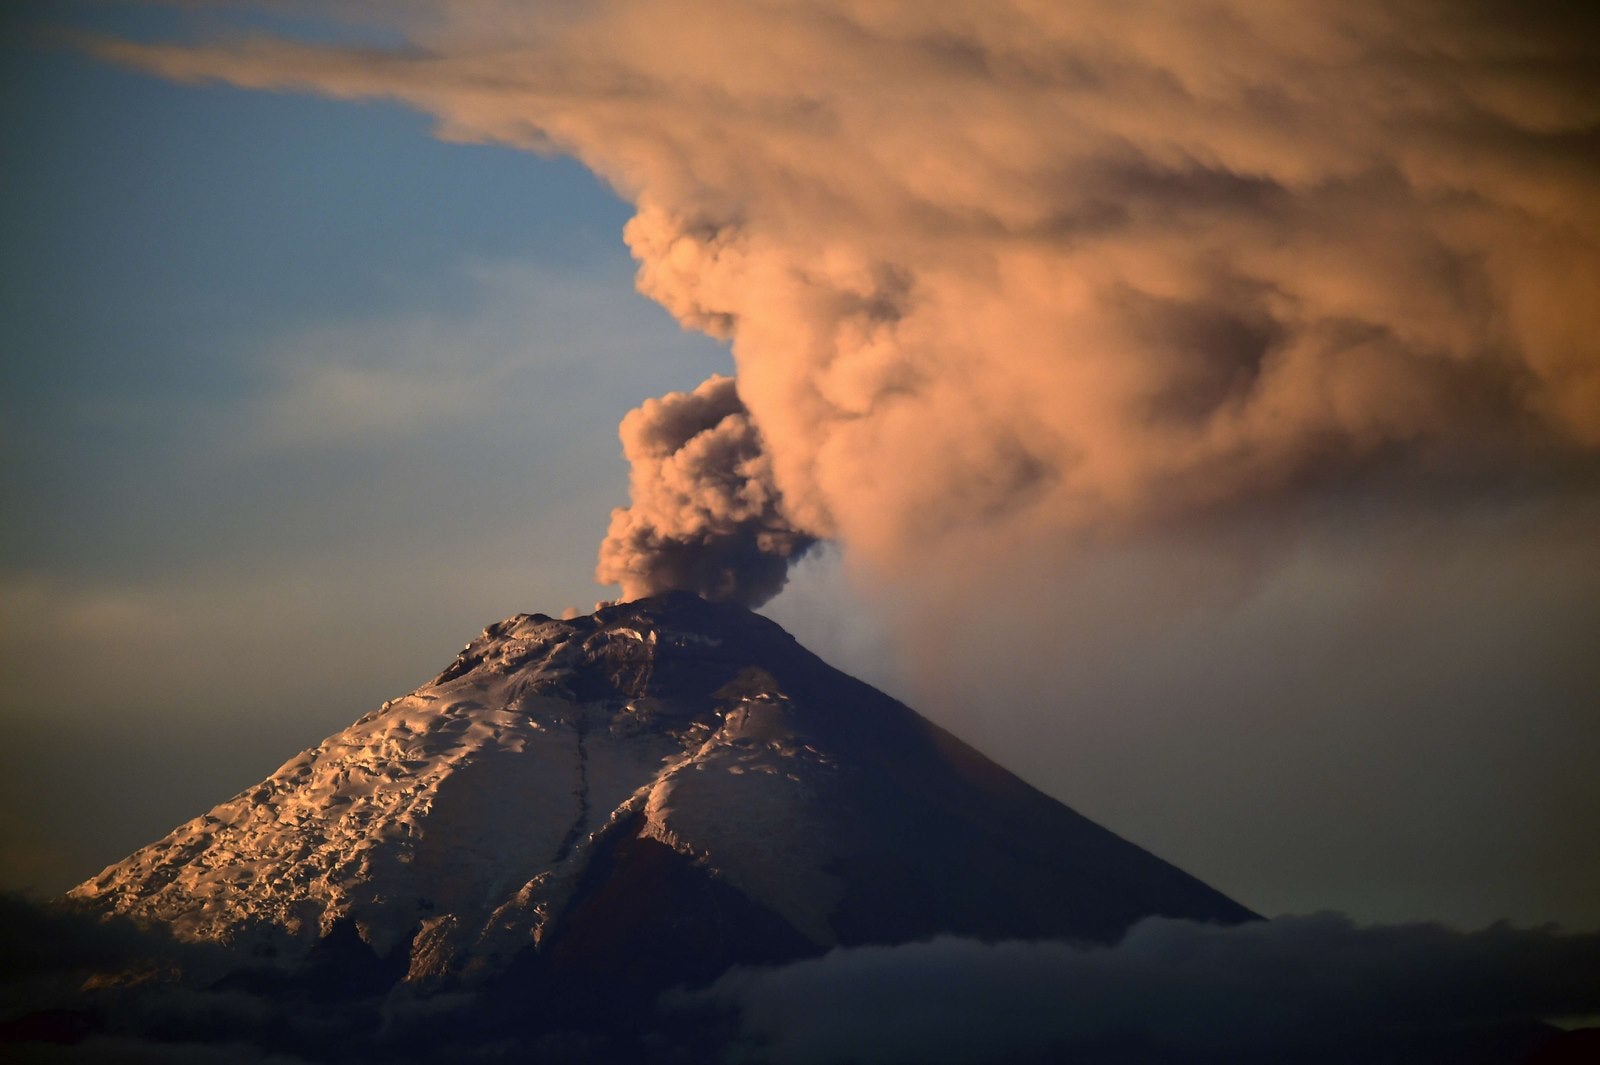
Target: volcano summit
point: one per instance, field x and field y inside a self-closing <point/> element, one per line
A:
<point x="636" y="799"/>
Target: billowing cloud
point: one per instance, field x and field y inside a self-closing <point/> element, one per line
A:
<point x="1302" y="989"/>
<point x="1029" y="272"/>
<point x="705" y="515"/>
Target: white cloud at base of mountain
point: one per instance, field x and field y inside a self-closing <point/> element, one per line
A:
<point x="1297" y="988"/>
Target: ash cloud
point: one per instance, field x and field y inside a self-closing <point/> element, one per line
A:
<point x="1037" y="273"/>
<point x="705" y="514"/>
<point x="1305" y="989"/>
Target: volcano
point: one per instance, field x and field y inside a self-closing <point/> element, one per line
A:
<point x="630" y="801"/>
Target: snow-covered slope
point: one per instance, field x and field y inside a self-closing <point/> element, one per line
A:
<point x="664" y="778"/>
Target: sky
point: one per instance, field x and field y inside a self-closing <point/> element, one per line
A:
<point x="1213" y="443"/>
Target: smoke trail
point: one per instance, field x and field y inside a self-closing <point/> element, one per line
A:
<point x="1032" y="272"/>
<point x="705" y="515"/>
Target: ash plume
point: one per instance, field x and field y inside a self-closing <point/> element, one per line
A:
<point x="1022" y="274"/>
<point x="1041" y="276"/>
<point x="705" y="514"/>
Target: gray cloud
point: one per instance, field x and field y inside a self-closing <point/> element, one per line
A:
<point x="1314" y="990"/>
<point x="1302" y="989"/>
<point x="705" y="515"/>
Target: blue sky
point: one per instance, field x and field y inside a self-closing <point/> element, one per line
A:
<point x="297" y="397"/>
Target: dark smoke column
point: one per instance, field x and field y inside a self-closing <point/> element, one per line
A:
<point x="705" y="515"/>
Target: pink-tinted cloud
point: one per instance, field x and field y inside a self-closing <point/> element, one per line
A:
<point x="1016" y="273"/>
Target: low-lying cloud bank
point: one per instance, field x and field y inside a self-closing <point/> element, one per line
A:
<point x="1294" y="989"/>
<point x="1307" y="990"/>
